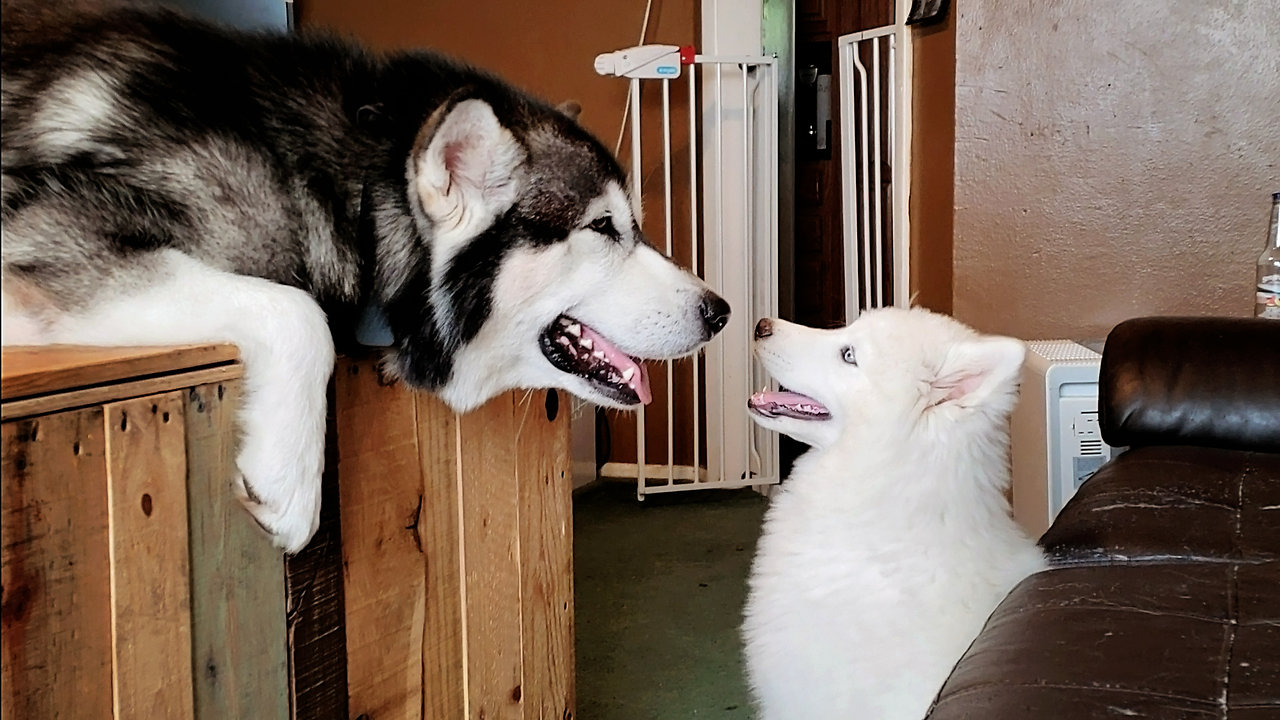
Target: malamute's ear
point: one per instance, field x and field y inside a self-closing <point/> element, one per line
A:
<point x="469" y="167"/>
<point x="974" y="369"/>
<point x="570" y="109"/>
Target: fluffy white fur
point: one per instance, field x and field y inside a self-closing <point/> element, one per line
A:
<point x="288" y="355"/>
<point x="892" y="541"/>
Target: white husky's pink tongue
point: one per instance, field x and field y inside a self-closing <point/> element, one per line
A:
<point x="790" y="404"/>
<point x="634" y="374"/>
<point x="782" y="397"/>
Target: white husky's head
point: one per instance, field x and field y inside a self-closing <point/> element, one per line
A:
<point x="891" y="368"/>
<point x="539" y="275"/>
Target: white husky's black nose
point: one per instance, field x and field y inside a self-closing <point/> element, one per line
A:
<point x="764" y="328"/>
<point x="715" y="313"/>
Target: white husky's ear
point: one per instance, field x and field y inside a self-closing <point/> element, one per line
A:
<point x="469" y="170"/>
<point x="974" y="369"/>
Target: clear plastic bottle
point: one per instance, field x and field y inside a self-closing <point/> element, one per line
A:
<point x="1268" y="299"/>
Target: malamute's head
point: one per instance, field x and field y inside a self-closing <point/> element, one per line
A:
<point x="891" y="368"/>
<point x="539" y="275"/>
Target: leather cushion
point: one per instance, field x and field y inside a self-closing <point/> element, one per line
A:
<point x="1192" y="381"/>
<point x="1161" y="641"/>
<point x="1162" y="503"/>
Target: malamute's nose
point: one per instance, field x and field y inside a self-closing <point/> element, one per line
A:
<point x="715" y="313"/>
<point x="764" y="328"/>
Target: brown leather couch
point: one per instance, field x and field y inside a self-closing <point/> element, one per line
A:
<point x="1163" y="599"/>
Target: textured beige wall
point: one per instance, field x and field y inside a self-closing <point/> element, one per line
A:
<point x="1112" y="159"/>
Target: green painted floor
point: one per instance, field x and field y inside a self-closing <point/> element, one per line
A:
<point x="659" y="587"/>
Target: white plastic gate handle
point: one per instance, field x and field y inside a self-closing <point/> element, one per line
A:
<point x="641" y="61"/>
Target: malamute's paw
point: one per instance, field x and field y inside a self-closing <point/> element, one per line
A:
<point x="286" y="504"/>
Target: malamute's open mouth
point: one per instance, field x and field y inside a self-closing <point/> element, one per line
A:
<point x="787" y="404"/>
<point x="575" y="348"/>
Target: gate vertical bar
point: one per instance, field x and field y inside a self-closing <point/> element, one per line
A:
<point x="862" y="174"/>
<point x="771" y="438"/>
<point x="900" y="179"/>
<point x="848" y="188"/>
<point x="693" y="257"/>
<point x="719" y="472"/>
<point x="637" y="193"/>
<point x="874" y="180"/>
<point x="747" y="217"/>
<point x="666" y="188"/>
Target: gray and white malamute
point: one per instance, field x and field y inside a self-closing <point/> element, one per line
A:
<point x="169" y="181"/>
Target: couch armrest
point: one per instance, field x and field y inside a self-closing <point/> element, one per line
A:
<point x="1212" y="382"/>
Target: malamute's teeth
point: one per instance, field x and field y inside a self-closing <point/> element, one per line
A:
<point x="574" y="348"/>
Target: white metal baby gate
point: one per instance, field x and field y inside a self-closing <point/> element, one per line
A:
<point x="874" y="167"/>
<point x="737" y="223"/>
<point x="731" y="240"/>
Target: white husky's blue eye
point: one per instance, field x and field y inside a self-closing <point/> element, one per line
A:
<point x="848" y="355"/>
<point x="604" y="226"/>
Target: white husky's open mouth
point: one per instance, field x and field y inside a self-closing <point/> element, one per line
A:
<point x="787" y="404"/>
<point x="575" y="348"/>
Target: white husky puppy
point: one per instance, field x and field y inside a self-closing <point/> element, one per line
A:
<point x="892" y="540"/>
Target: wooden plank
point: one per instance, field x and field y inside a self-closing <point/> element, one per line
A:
<point x="384" y="579"/>
<point x="150" y="591"/>
<point x="443" y="685"/>
<point x="97" y="395"/>
<point x="545" y="483"/>
<point x="314" y="610"/>
<point x="29" y="370"/>
<point x="491" y="561"/>
<point x="237" y="583"/>
<point x="55" y="622"/>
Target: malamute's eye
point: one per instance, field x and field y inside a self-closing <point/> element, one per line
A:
<point x="604" y="226"/>
<point x="848" y="355"/>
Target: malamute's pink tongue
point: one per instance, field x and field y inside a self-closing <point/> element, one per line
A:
<point x="634" y="374"/>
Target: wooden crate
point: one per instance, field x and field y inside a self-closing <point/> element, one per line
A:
<point x="438" y="586"/>
<point x="457" y="552"/>
<point x="134" y="585"/>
